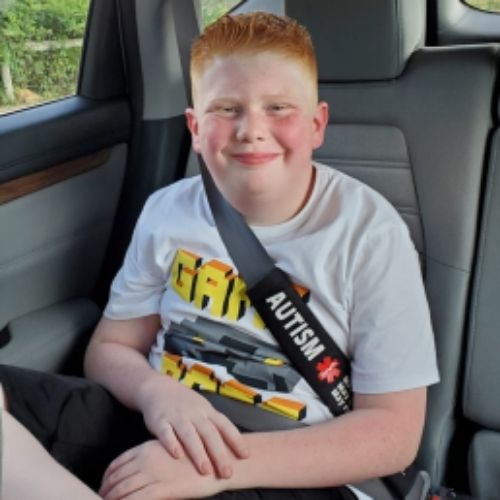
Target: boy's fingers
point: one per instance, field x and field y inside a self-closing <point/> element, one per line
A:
<point x="193" y="446"/>
<point x="123" y="488"/>
<point x="116" y="474"/>
<point x="215" y="447"/>
<point x="232" y="436"/>
<point x="118" y="462"/>
<point x="168" y="439"/>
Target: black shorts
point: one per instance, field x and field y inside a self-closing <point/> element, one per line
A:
<point x="79" y="423"/>
<point x="84" y="428"/>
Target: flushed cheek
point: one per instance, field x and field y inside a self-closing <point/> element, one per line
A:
<point x="292" y="134"/>
<point x="216" y="142"/>
<point x="217" y="134"/>
<point x="295" y="145"/>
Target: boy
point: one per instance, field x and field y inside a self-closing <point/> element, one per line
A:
<point x="256" y="120"/>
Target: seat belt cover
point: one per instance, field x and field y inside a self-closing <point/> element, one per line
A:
<point x="304" y="340"/>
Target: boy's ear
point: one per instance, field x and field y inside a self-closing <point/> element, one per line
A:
<point x="192" y="124"/>
<point x="320" y="121"/>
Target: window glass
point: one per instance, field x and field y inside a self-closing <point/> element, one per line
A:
<point x="213" y="9"/>
<point x="40" y="49"/>
<point x="489" y="5"/>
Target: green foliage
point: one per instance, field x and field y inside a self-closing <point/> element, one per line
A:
<point x="213" y="9"/>
<point x="25" y="25"/>
<point x="36" y="20"/>
<point x="44" y="71"/>
<point x="50" y="74"/>
<point x="489" y="5"/>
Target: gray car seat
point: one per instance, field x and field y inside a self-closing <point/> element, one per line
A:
<point x="481" y="398"/>
<point x="413" y="123"/>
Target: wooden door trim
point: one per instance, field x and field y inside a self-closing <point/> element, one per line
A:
<point x="30" y="183"/>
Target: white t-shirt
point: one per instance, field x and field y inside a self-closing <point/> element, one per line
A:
<point x="350" y="256"/>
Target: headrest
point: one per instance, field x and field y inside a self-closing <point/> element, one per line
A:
<point x="361" y="39"/>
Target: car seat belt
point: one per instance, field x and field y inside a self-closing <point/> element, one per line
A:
<point x="319" y="360"/>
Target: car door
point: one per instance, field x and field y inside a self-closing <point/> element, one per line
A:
<point x="61" y="170"/>
<point x="74" y="173"/>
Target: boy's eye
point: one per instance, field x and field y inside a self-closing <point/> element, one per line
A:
<point x="226" y="110"/>
<point x="279" y="108"/>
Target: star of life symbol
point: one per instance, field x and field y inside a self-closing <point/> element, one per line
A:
<point x="328" y="369"/>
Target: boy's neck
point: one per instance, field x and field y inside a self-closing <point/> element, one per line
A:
<point x="269" y="212"/>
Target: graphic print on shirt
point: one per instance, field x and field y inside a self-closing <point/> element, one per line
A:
<point x="215" y="357"/>
<point x="215" y="285"/>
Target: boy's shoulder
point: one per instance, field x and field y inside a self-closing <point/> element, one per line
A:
<point x="175" y="202"/>
<point x="181" y="195"/>
<point x="184" y="190"/>
<point x="351" y="198"/>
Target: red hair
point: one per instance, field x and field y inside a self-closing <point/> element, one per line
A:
<point x="253" y="33"/>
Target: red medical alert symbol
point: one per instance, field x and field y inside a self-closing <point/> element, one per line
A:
<point x="328" y="369"/>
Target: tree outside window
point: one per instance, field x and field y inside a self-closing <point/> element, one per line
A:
<point x="213" y="9"/>
<point x="40" y="49"/>
<point x="487" y="5"/>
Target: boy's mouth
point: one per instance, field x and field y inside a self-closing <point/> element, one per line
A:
<point x="254" y="158"/>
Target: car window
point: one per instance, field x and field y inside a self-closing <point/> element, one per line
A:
<point x="40" y="50"/>
<point x="488" y="5"/>
<point x="213" y="9"/>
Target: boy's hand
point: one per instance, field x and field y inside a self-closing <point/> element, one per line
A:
<point x="184" y="421"/>
<point x="148" y="472"/>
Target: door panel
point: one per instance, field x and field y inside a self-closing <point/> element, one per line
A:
<point x="62" y="168"/>
<point x="39" y="138"/>
<point x="53" y="243"/>
<point x="53" y="240"/>
<point x="61" y="173"/>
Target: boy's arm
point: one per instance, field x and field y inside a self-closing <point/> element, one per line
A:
<point x="179" y="417"/>
<point x="116" y="356"/>
<point x="379" y="437"/>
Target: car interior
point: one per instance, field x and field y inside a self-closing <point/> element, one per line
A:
<point x="412" y="87"/>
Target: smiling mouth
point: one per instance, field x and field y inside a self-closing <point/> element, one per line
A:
<point x="254" y="158"/>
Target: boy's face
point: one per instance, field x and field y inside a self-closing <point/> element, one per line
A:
<point x="256" y="121"/>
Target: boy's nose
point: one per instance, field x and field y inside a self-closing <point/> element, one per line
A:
<point x="250" y="128"/>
